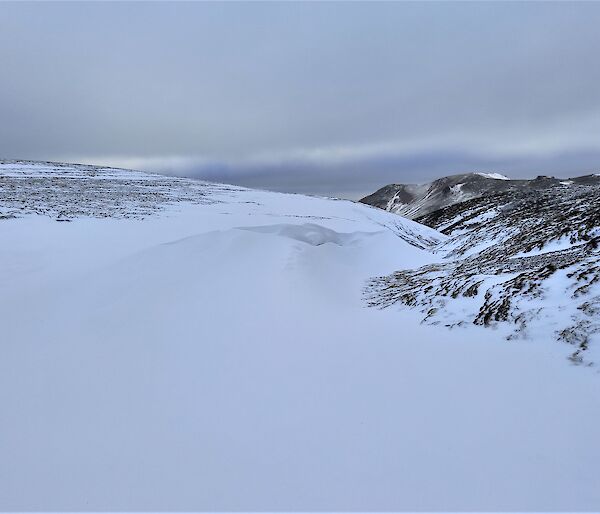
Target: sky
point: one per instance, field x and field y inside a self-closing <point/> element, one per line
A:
<point x="323" y="98"/>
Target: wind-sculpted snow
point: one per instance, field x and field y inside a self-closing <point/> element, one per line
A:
<point x="529" y="261"/>
<point x="309" y="233"/>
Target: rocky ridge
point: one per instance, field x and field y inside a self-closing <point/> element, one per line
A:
<point x="415" y="200"/>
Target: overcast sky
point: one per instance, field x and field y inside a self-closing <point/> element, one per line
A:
<point x="329" y="98"/>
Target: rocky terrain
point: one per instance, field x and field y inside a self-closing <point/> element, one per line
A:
<point x="414" y="200"/>
<point x="526" y="260"/>
<point x="67" y="191"/>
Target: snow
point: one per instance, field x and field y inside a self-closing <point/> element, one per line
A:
<point x="219" y="356"/>
<point x="394" y="204"/>
<point x="495" y="176"/>
<point x="562" y="243"/>
<point x="485" y="216"/>
<point x="457" y="189"/>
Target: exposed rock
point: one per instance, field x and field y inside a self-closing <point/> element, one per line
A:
<point x="527" y="260"/>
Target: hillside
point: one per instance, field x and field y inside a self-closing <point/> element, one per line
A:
<point x="527" y="261"/>
<point x="170" y="344"/>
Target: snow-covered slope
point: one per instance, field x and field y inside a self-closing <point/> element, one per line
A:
<point x="527" y="262"/>
<point x="414" y="200"/>
<point x="177" y="345"/>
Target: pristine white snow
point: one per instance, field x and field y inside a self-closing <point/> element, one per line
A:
<point x="219" y="356"/>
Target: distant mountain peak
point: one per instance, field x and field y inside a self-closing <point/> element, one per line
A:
<point x="414" y="200"/>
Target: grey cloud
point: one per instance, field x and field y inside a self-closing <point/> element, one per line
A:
<point x="355" y="176"/>
<point x="509" y="85"/>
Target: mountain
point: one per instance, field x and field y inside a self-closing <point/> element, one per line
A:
<point x="414" y="200"/>
<point x="526" y="260"/>
<point x="171" y="344"/>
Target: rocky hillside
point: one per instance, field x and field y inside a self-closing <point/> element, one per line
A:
<point x="526" y="260"/>
<point x="414" y="200"/>
<point x="67" y="191"/>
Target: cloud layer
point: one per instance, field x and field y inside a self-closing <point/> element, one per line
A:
<point x="326" y="98"/>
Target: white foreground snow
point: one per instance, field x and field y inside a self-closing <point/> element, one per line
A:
<point x="220" y="357"/>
